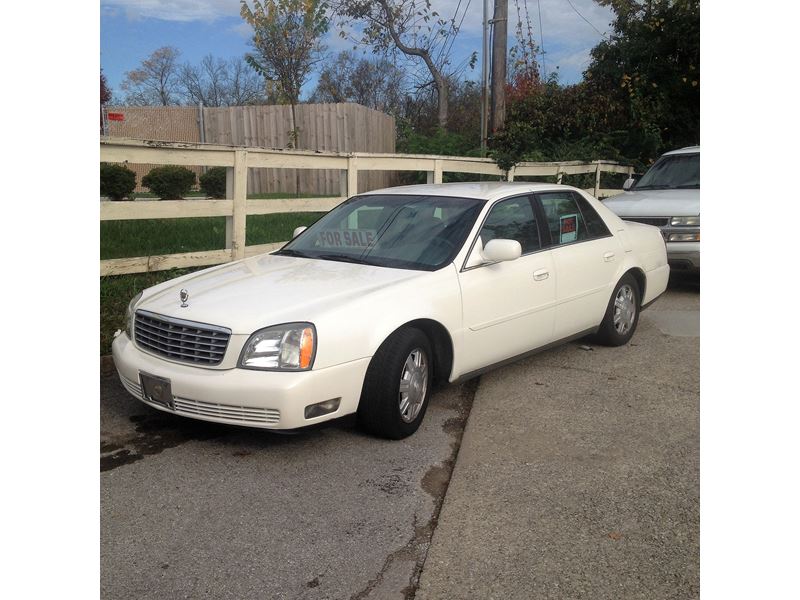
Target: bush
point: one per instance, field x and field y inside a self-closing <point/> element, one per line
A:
<point x="116" y="181"/>
<point x="169" y="182"/>
<point x="212" y="182"/>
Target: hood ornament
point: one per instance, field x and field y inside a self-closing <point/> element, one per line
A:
<point x="184" y="298"/>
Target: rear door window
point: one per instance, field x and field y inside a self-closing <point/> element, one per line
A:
<point x="570" y="218"/>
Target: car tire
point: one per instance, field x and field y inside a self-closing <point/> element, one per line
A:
<point x="622" y="313"/>
<point x="397" y="386"/>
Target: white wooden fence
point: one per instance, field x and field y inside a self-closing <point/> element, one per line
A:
<point x="237" y="206"/>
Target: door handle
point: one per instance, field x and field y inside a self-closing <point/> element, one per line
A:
<point x="608" y="256"/>
<point x="541" y="275"/>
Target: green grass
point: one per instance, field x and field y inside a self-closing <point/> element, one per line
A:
<point x="146" y="237"/>
<point x="121" y="239"/>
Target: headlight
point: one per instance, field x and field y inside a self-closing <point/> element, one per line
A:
<point x="288" y="347"/>
<point x="129" y="314"/>
<point x="684" y="237"/>
<point x="685" y="222"/>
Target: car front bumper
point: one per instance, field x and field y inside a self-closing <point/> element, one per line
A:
<point x="684" y="256"/>
<point x="266" y="399"/>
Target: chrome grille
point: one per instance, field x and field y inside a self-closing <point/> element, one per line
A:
<point x="655" y="221"/>
<point x="243" y="414"/>
<point x="185" y="341"/>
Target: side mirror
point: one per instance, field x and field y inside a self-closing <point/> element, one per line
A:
<point x="502" y="250"/>
<point x="298" y="231"/>
<point x="628" y="183"/>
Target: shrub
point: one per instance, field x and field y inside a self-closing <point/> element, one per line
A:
<point x="212" y="182"/>
<point x="116" y="181"/>
<point x="169" y="182"/>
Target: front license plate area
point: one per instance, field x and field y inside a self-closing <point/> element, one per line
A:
<point x="156" y="389"/>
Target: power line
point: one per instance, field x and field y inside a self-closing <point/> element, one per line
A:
<point x="541" y="36"/>
<point x="450" y="30"/>
<point x="455" y="31"/>
<point x="587" y="20"/>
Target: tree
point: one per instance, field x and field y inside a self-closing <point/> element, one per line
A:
<point x="650" y="67"/>
<point x="412" y="28"/>
<point x="155" y="82"/>
<point x="377" y="84"/>
<point x="217" y="82"/>
<point x="640" y="95"/>
<point x="105" y="91"/>
<point x="105" y="97"/>
<point x="286" y="44"/>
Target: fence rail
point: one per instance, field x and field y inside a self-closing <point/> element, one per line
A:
<point x="236" y="207"/>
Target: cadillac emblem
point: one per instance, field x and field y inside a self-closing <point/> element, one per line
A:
<point x="184" y="298"/>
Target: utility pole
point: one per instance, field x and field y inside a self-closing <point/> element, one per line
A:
<point x="499" y="51"/>
<point x="485" y="78"/>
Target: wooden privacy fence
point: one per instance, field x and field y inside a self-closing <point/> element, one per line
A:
<point x="340" y="127"/>
<point x="236" y="206"/>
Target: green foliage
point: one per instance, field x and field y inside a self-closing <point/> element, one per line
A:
<point x="116" y="181"/>
<point x="640" y="96"/>
<point x="212" y="182"/>
<point x="286" y="42"/>
<point x="169" y="182"/>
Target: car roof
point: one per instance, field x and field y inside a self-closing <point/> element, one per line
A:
<point x="686" y="150"/>
<point x="482" y="190"/>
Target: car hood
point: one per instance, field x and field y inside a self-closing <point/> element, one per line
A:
<point x="656" y="203"/>
<point x="267" y="290"/>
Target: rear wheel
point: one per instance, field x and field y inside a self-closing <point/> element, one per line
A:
<point x="397" y="385"/>
<point x="622" y="314"/>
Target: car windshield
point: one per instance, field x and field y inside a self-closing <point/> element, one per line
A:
<point x="402" y="231"/>
<point x="675" y="171"/>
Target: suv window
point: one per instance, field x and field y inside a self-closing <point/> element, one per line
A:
<point x="512" y="219"/>
<point x="571" y="218"/>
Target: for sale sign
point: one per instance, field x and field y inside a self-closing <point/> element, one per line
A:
<point x="116" y="116"/>
<point x="345" y="238"/>
<point x="569" y="228"/>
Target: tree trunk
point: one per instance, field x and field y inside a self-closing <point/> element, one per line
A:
<point x="443" y="90"/>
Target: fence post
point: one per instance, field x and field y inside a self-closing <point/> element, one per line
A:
<point x="239" y="218"/>
<point x="437" y="170"/>
<point x="229" y="220"/>
<point x="597" y="181"/>
<point x="352" y="176"/>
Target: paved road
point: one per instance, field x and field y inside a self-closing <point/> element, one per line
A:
<point x="195" y="510"/>
<point x="578" y="474"/>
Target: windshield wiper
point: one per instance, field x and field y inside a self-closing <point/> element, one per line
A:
<point x="652" y="187"/>
<point x="342" y="258"/>
<point x="290" y="252"/>
<point x="688" y="186"/>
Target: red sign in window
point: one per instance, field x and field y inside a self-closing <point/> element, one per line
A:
<point x="116" y="116"/>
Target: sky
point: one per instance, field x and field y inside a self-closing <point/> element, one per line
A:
<point x="132" y="29"/>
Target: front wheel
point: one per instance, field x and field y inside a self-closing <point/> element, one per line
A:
<point x="622" y="314"/>
<point x="397" y="386"/>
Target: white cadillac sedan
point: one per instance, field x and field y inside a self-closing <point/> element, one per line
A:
<point x="388" y="294"/>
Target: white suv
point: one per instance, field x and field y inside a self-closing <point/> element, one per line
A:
<point x="668" y="196"/>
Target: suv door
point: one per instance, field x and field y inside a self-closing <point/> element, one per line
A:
<point x="586" y="256"/>
<point x="508" y="307"/>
